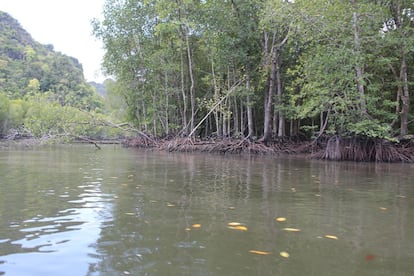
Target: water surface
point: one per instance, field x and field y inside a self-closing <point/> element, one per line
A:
<point x="75" y="210"/>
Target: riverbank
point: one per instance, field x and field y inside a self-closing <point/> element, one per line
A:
<point x="333" y="148"/>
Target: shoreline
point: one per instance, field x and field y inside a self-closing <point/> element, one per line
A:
<point x="332" y="148"/>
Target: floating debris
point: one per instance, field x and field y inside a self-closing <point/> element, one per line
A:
<point x="130" y="214"/>
<point x="281" y="219"/>
<point x="383" y="208"/>
<point x="292" y="229"/>
<point x="258" y="252"/>
<point x="170" y="205"/>
<point x="238" y="227"/>
<point x="332" y="237"/>
<point x="369" y="257"/>
<point x="196" y="225"/>
<point x="234" y="224"/>
<point x="284" y="254"/>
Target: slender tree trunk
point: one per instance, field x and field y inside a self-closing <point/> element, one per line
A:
<point x="236" y="128"/>
<point x="267" y="127"/>
<point x="216" y="98"/>
<point x="272" y="60"/>
<point x="242" y="126"/>
<point x="190" y="71"/>
<point x="167" y="103"/>
<point x="183" y="92"/>
<point x="358" y="65"/>
<point x="249" y="107"/>
<point x="405" y="98"/>
<point x="404" y="90"/>
<point x="281" y="117"/>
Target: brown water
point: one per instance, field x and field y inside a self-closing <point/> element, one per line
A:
<point x="75" y="210"/>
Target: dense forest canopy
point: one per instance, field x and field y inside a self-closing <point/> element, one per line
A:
<point x="27" y="66"/>
<point x="262" y="68"/>
<point x="43" y="92"/>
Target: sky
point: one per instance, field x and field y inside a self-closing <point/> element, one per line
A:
<point x="66" y="24"/>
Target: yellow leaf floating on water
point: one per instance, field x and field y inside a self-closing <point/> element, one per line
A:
<point x="233" y="223"/>
<point x="238" y="227"/>
<point x="284" y="254"/>
<point x="258" y="252"/>
<point x="291" y="229"/>
<point x="332" y="237"/>
<point x="280" y="219"/>
<point x="196" y="225"/>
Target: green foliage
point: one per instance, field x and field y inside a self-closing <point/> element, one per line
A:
<point x="341" y="63"/>
<point x="370" y="128"/>
<point x="45" y="119"/>
<point x="4" y="110"/>
<point x="43" y="92"/>
<point x="28" y="67"/>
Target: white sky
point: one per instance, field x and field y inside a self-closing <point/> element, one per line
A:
<point x="66" y="24"/>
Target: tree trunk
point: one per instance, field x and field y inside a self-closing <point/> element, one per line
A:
<point x="281" y="117"/>
<point x="216" y="98"/>
<point x="405" y="92"/>
<point x="167" y="103"/>
<point x="190" y="71"/>
<point x="405" y="98"/>
<point x="358" y="65"/>
<point x="249" y="107"/>
<point x="268" y="116"/>
<point x="183" y="92"/>
<point x="236" y="127"/>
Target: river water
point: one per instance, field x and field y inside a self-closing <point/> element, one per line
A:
<point x="75" y="210"/>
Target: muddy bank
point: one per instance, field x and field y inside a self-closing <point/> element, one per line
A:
<point x="333" y="148"/>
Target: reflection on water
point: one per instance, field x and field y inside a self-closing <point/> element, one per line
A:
<point x="75" y="210"/>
